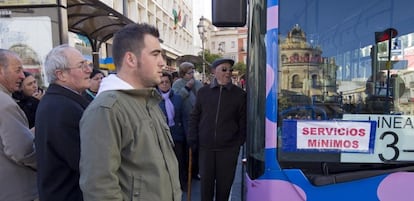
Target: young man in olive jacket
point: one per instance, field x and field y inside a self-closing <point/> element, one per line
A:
<point x="217" y="128"/>
<point x="126" y="146"/>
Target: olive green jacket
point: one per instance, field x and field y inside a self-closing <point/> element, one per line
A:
<point x="126" y="149"/>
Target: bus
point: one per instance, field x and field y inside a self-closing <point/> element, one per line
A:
<point x="350" y="61"/>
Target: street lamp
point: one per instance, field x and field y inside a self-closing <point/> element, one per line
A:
<point x="202" y="30"/>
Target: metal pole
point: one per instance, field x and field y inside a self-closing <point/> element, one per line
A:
<point x="308" y="82"/>
<point x="190" y="165"/>
<point x="204" y="64"/>
<point x="388" y="73"/>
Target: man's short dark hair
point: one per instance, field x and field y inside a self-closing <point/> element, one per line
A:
<point x="131" y="39"/>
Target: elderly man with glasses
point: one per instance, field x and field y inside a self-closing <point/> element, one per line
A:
<point x="57" y="124"/>
<point x="217" y="127"/>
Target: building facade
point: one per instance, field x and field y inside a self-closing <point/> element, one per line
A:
<point x="229" y="42"/>
<point x="173" y="18"/>
<point x="305" y="74"/>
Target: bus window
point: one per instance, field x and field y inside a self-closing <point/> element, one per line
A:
<point x="346" y="69"/>
<point x="324" y="63"/>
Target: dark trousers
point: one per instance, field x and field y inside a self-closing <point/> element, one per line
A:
<point x="217" y="170"/>
<point x="180" y="150"/>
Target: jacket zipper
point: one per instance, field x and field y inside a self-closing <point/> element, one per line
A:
<point x="217" y="114"/>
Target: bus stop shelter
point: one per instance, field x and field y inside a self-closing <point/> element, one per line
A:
<point x="93" y="19"/>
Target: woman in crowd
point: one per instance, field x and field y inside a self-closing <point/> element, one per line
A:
<point x="172" y="107"/>
<point x="28" y="97"/>
<point x="96" y="78"/>
<point x="187" y="87"/>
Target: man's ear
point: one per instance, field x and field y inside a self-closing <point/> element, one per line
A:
<point x="60" y="75"/>
<point x="130" y="59"/>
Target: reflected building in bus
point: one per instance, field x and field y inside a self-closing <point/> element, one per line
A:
<point x="306" y="77"/>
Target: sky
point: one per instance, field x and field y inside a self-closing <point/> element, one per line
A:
<point x="200" y="8"/>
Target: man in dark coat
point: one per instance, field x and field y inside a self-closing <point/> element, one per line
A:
<point x="217" y="127"/>
<point x="57" y="125"/>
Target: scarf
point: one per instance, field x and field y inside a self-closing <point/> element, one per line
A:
<point x="169" y="108"/>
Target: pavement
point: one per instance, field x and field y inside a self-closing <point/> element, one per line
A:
<point x="236" y="190"/>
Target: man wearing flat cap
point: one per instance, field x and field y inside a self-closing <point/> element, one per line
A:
<point x="217" y="127"/>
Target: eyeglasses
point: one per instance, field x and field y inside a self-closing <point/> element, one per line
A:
<point x="227" y="69"/>
<point x="191" y="72"/>
<point x="83" y="65"/>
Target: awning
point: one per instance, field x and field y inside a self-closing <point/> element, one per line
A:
<point x="90" y="18"/>
<point x="94" y="19"/>
<point x="191" y="58"/>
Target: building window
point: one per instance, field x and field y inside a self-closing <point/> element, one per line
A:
<point x="296" y="83"/>
<point x="294" y="58"/>
<point x="314" y="81"/>
<point x="222" y="47"/>
<point x="284" y="58"/>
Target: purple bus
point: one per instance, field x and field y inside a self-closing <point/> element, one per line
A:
<point x="330" y="88"/>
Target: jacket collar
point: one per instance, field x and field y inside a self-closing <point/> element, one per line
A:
<point x="2" y="88"/>
<point x="214" y="84"/>
<point x="171" y="92"/>
<point x="57" y="89"/>
<point x="152" y="96"/>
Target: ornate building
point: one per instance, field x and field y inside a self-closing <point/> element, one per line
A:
<point x="305" y="73"/>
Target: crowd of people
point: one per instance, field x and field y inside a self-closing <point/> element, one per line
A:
<point x="126" y="136"/>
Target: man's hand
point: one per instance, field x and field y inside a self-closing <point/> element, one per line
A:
<point x="190" y="83"/>
<point x="38" y="94"/>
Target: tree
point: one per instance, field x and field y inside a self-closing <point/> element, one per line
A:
<point x="209" y="57"/>
<point x="241" y="67"/>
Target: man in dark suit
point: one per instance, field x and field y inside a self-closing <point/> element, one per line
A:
<point x="57" y="125"/>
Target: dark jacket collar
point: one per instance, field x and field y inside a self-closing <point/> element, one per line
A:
<point x="214" y="84"/>
<point x="19" y="96"/>
<point x="57" y="89"/>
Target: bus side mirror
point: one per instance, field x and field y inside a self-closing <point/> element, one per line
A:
<point x="229" y="13"/>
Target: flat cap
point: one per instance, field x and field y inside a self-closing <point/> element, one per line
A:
<point x="221" y="61"/>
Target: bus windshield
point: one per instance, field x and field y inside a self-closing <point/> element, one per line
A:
<point x="353" y="60"/>
<point x="332" y="61"/>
